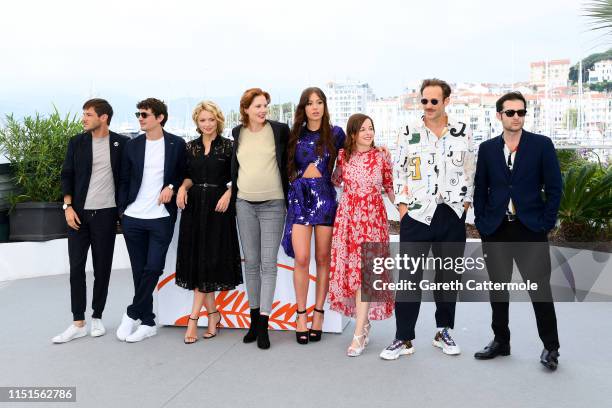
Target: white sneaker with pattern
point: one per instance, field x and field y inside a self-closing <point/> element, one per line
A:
<point x="396" y="349"/>
<point x="445" y="341"/>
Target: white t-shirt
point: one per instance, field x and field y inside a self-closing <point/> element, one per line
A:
<point x="145" y="206"/>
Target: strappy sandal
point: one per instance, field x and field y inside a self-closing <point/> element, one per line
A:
<point x="315" y="335"/>
<point x="192" y="339"/>
<point x="366" y="332"/>
<point x="361" y="345"/>
<point x="208" y="334"/>
<point x="301" y="336"/>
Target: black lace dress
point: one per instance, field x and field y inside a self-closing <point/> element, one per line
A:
<point x="208" y="255"/>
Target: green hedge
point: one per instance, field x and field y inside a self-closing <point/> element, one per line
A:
<point x="36" y="147"/>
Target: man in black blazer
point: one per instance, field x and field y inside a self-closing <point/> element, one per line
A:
<point x="89" y="179"/>
<point x="151" y="171"/>
<point x="517" y="192"/>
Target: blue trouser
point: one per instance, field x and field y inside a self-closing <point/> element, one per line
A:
<point x="147" y="243"/>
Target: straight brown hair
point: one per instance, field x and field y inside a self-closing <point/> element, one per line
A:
<point x="325" y="140"/>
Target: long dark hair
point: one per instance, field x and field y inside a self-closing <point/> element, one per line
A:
<point x="352" y="131"/>
<point x="325" y="139"/>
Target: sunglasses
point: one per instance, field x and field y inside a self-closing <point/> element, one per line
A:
<point x="510" y="112"/>
<point x="143" y="115"/>
<point x="424" y="101"/>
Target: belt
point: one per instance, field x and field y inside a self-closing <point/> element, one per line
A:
<point x="510" y="217"/>
<point x="205" y="185"/>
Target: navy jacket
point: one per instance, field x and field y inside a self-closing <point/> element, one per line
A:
<point x="535" y="169"/>
<point x="132" y="166"/>
<point x="76" y="170"/>
<point x="281" y="137"/>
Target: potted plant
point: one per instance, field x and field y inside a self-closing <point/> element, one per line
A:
<point x="586" y="203"/>
<point x="35" y="148"/>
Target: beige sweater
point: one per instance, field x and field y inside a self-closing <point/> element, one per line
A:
<point x="258" y="175"/>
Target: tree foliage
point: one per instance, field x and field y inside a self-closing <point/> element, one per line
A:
<point x="587" y="64"/>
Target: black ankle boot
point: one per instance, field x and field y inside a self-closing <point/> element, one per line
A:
<point x="263" y="341"/>
<point x="251" y="335"/>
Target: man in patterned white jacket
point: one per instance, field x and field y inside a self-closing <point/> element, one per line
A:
<point x="433" y="176"/>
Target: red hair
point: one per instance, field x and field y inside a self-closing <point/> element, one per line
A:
<point x="247" y="99"/>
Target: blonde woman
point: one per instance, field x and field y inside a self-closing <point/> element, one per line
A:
<point x="208" y="257"/>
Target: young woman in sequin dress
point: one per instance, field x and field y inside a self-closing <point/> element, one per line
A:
<point x="312" y="148"/>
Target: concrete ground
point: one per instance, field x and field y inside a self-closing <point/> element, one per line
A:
<point x="224" y="372"/>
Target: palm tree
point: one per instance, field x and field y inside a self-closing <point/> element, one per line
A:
<point x="600" y="13"/>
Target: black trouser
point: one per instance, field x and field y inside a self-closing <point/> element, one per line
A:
<point x="445" y="227"/>
<point x="533" y="263"/>
<point x="97" y="229"/>
<point x="147" y="243"/>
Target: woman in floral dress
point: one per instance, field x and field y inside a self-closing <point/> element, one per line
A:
<point x="361" y="217"/>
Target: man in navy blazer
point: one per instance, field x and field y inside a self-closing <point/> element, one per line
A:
<point x="152" y="169"/>
<point x="517" y="192"/>
<point x="90" y="179"/>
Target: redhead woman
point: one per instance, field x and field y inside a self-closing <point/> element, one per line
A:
<point x="259" y="185"/>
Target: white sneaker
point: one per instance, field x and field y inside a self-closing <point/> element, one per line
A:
<point x="396" y="349"/>
<point x="127" y="327"/>
<point x="97" y="328"/>
<point x="71" y="333"/>
<point x="143" y="332"/>
<point x="444" y="341"/>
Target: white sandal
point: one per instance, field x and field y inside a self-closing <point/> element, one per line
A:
<point x="356" y="351"/>
<point x="366" y="332"/>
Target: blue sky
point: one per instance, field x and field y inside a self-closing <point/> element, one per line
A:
<point x="63" y="52"/>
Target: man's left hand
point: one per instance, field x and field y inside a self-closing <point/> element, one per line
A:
<point x="165" y="196"/>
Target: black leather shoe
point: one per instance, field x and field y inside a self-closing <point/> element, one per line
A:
<point x="550" y="359"/>
<point x="492" y="350"/>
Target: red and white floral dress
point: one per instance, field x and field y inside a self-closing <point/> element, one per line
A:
<point x="361" y="217"/>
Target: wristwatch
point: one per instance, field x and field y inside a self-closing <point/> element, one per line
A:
<point x="170" y="186"/>
<point x="66" y="205"/>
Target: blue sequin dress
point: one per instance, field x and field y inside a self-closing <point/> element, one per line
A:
<point x="311" y="201"/>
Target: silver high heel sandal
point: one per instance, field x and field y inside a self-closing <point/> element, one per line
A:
<point x="366" y="332"/>
<point x="356" y="351"/>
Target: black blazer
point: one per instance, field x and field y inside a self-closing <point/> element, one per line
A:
<point x="536" y="168"/>
<point x="76" y="170"/>
<point x="281" y="137"/>
<point x="133" y="164"/>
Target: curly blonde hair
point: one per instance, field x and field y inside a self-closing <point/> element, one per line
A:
<point x="211" y="108"/>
